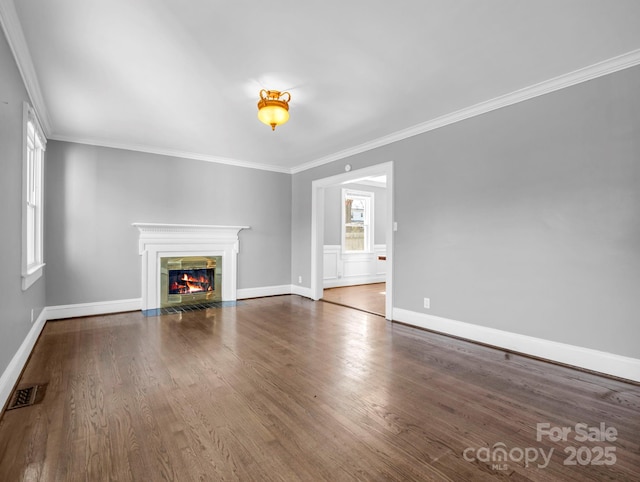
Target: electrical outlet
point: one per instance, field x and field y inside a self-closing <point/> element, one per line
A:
<point x="32" y="314"/>
<point x="299" y="279"/>
<point x="427" y="303"/>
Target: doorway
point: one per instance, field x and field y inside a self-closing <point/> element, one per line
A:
<point x="319" y="188"/>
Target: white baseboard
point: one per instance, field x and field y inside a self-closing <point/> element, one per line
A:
<point x="587" y="358"/>
<point x="353" y="281"/>
<point x="244" y="293"/>
<point x="12" y="373"/>
<point x="89" y="309"/>
<point x="301" y="291"/>
<point x="135" y="304"/>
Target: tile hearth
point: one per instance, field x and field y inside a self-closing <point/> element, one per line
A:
<point x="195" y="307"/>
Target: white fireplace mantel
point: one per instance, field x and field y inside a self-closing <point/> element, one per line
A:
<point x="170" y="240"/>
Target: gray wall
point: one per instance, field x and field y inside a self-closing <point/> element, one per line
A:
<point x="525" y="219"/>
<point x="333" y="212"/>
<point x="15" y="315"/>
<point x="95" y="193"/>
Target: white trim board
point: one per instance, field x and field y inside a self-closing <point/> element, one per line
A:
<point x="135" y="304"/>
<point x="600" y="69"/>
<point x="301" y="291"/>
<point x="594" y="360"/>
<point x="12" y="373"/>
<point x="163" y="151"/>
<point x="609" y="66"/>
<point x="17" y="42"/>
<point x="246" y="293"/>
<point x="576" y="356"/>
<point x="354" y="281"/>
<point x="91" y="309"/>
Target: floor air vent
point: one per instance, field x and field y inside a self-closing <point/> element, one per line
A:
<point x="26" y="396"/>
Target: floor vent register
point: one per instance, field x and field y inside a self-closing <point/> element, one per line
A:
<point x="26" y="396"/>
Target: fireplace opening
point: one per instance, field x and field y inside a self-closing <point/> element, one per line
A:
<point x="185" y="281"/>
<point x="190" y="280"/>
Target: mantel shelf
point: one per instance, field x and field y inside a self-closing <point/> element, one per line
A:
<point x="187" y="228"/>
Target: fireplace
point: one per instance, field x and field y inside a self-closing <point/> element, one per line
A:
<point x="205" y="254"/>
<point x="186" y="280"/>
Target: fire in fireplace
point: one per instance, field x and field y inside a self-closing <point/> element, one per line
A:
<point x="185" y="281"/>
<point x="190" y="280"/>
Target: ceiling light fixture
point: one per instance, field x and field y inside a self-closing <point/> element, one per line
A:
<point x="273" y="107"/>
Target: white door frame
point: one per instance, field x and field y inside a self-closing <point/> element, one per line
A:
<point x="317" y="226"/>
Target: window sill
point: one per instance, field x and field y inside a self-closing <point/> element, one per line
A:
<point x="32" y="275"/>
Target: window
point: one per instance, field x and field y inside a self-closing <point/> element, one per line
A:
<point x="32" y="182"/>
<point x="357" y="221"/>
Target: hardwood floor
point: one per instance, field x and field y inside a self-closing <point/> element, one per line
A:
<point x="369" y="297"/>
<point x="285" y="388"/>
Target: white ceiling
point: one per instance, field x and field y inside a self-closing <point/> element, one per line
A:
<point x="183" y="77"/>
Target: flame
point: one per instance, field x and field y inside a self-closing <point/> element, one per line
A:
<point x="194" y="288"/>
<point x="190" y="284"/>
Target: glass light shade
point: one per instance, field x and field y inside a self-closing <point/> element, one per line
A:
<point x="273" y="114"/>
<point x="273" y="107"/>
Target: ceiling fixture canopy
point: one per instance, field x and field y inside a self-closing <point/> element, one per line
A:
<point x="273" y="107"/>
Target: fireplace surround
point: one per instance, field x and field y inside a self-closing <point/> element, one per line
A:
<point x="188" y="248"/>
<point x="189" y="280"/>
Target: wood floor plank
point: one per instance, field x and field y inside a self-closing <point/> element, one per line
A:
<point x="284" y="388"/>
<point x="368" y="297"/>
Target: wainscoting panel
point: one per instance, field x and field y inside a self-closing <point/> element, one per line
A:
<point x="348" y="269"/>
<point x="331" y="262"/>
<point x="357" y="265"/>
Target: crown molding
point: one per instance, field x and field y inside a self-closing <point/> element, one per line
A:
<point x="18" y="45"/>
<point x="609" y="66"/>
<point x="600" y="69"/>
<point x="17" y="42"/>
<point x="173" y="153"/>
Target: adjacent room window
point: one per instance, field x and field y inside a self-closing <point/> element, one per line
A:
<point x="357" y="221"/>
<point x="32" y="197"/>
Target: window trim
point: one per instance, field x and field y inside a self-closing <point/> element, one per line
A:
<point x="34" y="143"/>
<point x="369" y="224"/>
